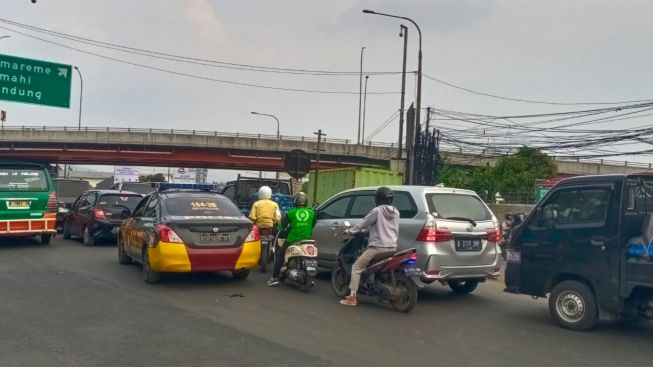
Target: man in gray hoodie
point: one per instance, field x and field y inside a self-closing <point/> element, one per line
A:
<point x="383" y="224"/>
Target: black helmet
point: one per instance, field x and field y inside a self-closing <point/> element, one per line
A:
<point x="300" y="200"/>
<point x="383" y="196"/>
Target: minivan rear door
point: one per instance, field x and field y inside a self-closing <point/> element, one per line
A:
<point x="24" y="192"/>
<point x="468" y="219"/>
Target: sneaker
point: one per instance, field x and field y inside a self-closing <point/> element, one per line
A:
<point x="349" y="301"/>
<point x="272" y="282"/>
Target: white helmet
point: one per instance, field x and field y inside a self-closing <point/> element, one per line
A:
<point x="264" y="192"/>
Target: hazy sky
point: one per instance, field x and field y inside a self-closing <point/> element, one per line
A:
<point x="559" y="50"/>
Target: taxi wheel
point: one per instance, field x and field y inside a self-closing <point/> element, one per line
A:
<point x="149" y="276"/>
<point x="123" y="258"/>
<point x="240" y="274"/>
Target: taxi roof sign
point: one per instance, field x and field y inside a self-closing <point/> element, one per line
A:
<point x="162" y="186"/>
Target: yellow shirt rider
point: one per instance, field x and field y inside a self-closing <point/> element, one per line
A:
<point x="265" y="212"/>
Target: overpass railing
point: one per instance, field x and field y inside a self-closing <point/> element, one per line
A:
<point x="289" y="138"/>
<point x="188" y="132"/>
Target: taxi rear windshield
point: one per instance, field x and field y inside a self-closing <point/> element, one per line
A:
<point x="113" y="200"/>
<point x="16" y="179"/>
<point x="202" y="206"/>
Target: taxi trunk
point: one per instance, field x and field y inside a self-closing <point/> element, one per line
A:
<point x="198" y="233"/>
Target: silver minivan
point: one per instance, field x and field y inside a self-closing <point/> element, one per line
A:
<point x="456" y="235"/>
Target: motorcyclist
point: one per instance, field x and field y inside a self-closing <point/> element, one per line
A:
<point x="265" y="213"/>
<point x="383" y="224"/>
<point x="296" y="225"/>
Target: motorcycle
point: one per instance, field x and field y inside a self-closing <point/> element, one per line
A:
<point x="393" y="277"/>
<point x="267" y="251"/>
<point x="300" y="264"/>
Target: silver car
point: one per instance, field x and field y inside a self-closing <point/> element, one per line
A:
<point x="455" y="233"/>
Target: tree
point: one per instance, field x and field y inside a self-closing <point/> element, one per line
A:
<point x="518" y="173"/>
<point x="513" y="175"/>
<point x="157" y="177"/>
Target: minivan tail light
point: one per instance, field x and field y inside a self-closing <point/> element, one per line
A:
<point x="99" y="214"/>
<point x="166" y="234"/>
<point x="493" y="235"/>
<point x="53" y="204"/>
<point x="430" y="233"/>
<point x="254" y="235"/>
<point x="434" y="235"/>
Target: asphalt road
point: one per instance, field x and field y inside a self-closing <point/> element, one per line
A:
<point x="69" y="305"/>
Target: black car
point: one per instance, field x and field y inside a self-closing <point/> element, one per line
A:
<point x="98" y="214"/>
<point x="67" y="192"/>
<point x="588" y="246"/>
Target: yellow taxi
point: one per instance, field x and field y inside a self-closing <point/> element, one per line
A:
<point x="182" y="228"/>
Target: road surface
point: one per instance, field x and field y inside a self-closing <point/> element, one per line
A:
<point x="69" y="305"/>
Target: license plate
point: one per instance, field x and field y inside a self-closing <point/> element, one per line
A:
<point x="513" y="256"/>
<point x="214" y="237"/>
<point x="311" y="264"/>
<point x="18" y="204"/>
<point x="468" y="245"/>
<point x="413" y="271"/>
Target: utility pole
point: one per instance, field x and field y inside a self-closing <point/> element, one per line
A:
<point x="360" y="96"/>
<point x="317" y="162"/>
<point x="428" y="118"/>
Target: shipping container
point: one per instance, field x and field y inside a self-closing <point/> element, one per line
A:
<point x="333" y="181"/>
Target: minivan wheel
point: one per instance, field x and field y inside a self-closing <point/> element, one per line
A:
<point x="573" y="305"/>
<point x="87" y="237"/>
<point x="463" y="286"/>
<point x="46" y="239"/>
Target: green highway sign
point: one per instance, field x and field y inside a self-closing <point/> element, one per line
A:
<point x="34" y="81"/>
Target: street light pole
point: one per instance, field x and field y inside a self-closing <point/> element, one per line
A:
<point x="402" y="33"/>
<point x="364" y="108"/>
<point x="81" y="94"/>
<point x="1" y="37"/>
<point x="419" y="78"/>
<point x="360" y="92"/>
<point x="277" y="120"/>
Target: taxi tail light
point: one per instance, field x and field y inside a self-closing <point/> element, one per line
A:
<point x="493" y="235"/>
<point x="166" y="234"/>
<point x="99" y="214"/>
<point x="254" y="235"/>
<point x="430" y="232"/>
<point x="53" y="204"/>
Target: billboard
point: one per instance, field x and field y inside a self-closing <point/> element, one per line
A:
<point x="185" y="175"/>
<point x="125" y="174"/>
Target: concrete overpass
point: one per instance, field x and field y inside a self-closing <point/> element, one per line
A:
<point x="211" y="149"/>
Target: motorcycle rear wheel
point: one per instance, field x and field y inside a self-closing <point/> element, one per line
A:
<point x="339" y="281"/>
<point x="263" y="260"/>
<point x="408" y="300"/>
<point x="308" y="282"/>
